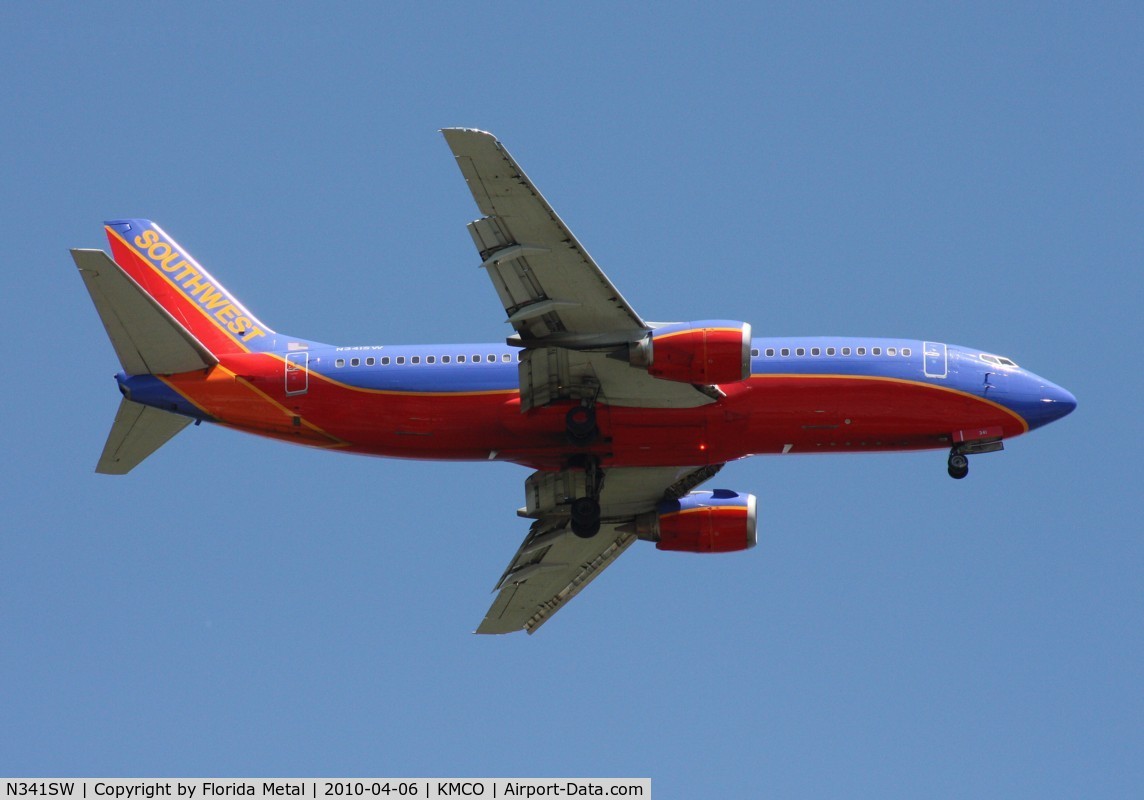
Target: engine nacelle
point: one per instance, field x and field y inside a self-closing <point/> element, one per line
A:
<point x="706" y="352"/>
<point x="702" y="522"/>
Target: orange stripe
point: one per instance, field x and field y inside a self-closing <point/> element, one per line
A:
<point x="240" y="381"/>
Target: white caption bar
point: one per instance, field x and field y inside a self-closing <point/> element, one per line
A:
<point x="320" y="788"/>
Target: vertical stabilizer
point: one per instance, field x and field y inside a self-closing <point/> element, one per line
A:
<point x="184" y="288"/>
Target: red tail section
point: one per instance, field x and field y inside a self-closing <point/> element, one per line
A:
<point x="187" y="291"/>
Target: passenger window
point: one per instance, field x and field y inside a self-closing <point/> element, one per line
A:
<point x="430" y="359"/>
<point x="385" y="361"/>
<point x="369" y="362"/>
<point x="800" y="351"/>
<point x="492" y="359"/>
<point x="460" y="359"/>
<point x="891" y="351"/>
<point x="754" y="353"/>
<point x="814" y="351"/>
<point x="830" y="351"/>
<point x="770" y="352"/>
<point x="786" y="352"/>
<point x="845" y="351"/>
<point x="906" y="352"/>
<point x="444" y="359"/>
<point x="477" y="359"/>
<point x="341" y="362"/>
<point x="875" y="351"/>
<point x="415" y="359"/>
<point x="355" y="362"/>
<point x="861" y="351"/>
<point x="401" y="359"/>
<point x="507" y="357"/>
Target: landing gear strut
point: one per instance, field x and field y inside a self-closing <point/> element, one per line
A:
<point x="958" y="465"/>
<point x="585" y="511"/>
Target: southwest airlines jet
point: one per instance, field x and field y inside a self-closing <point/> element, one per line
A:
<point x="619" y="419"/>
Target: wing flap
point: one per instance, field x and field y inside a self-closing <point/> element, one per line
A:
<point x="550" y="374"/>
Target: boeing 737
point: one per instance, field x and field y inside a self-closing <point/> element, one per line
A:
<point x="619" y="419"/>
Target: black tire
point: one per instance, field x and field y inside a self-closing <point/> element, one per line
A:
<point x="585" y="517"/>
<point x="580" y="425"/>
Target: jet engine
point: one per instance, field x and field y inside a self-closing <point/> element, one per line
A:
<point x="706" y="352"/>
<point x="702" y="522"/>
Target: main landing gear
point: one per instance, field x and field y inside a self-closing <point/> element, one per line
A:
<point x="585" y="517"/>
<point x="580" y="425"/>
<point x="585" y="511"/>
<point x="581" y="430"/>
<point x="958" y="465"/>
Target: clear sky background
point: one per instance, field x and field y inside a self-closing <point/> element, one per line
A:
<point x="238" y="607"/>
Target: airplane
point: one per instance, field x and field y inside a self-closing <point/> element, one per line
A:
<point x="619" y="419"/>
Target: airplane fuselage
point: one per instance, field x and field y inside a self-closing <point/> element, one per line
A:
<point x="621" y="419"/>
<point x="462" y="402"/>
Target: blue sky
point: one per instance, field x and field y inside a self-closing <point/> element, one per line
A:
<point x="239" y="607"/>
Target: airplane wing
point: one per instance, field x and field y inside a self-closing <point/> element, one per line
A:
<point x="553" y="564"/>
<point x="551" y="568"/>
<point x="568" y="316"/>
<point x="549" y="285"/>
<point x="572" y="323"/>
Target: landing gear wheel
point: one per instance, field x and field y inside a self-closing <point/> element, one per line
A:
<point x="580" y="425"/>
<point x="958" y="466"/>
<point x="585" y="517"/>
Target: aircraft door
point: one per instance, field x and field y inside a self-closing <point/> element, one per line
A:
<point x="297" y="373"/>
<point x="936" y="359"/>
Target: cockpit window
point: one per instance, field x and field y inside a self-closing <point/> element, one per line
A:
<point x="1000" y="361"/>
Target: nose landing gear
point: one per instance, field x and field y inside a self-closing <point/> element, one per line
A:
<point x="959" y="454"/>
<point x="958" y="465"/>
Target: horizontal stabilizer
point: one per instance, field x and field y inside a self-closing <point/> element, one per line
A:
<point x="147" y="339"/>
<point x="138" y="431"/>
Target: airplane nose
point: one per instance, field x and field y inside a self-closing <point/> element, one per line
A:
<point x="1058" y="402"/>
